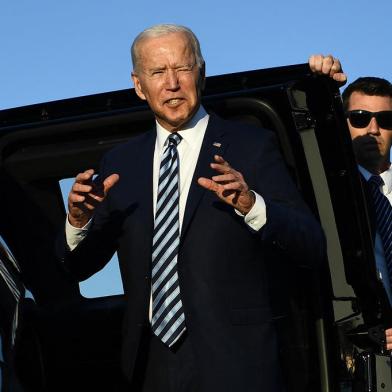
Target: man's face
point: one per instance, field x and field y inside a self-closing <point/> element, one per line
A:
<point x="168" y="77"/>
<point x="372" y="143"/>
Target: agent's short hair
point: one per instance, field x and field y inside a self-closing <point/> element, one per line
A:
<point x="368" y="85"/>
<point x="161" y="30"/>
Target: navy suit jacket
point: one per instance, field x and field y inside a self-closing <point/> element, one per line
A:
<point x="221" y="261"/>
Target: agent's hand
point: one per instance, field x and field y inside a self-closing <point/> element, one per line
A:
<point x="229" y="185"/>
<point x="85" y="195"/>
<point x="328" y="65"/>
<point x="388" y="336"/>
<point x="372" y="151"/>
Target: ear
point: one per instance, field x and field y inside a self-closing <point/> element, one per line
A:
<point x="202" y="77"/>
<point x="138" y="86"/>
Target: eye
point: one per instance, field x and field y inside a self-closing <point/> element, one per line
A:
<point x="185" y="68"/>
<point x="156" y="73"/>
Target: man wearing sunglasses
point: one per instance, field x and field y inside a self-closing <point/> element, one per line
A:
<point x="368" y="106"/>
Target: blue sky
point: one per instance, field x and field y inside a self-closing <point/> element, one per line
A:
<point x="57" y="49"/>
<point x="60" y="49"/>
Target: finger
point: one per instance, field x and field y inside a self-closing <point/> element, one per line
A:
<point x="224" y="177"/>
<point x="336" y="66"/>
<point x="220" y="159"/>
<point x="340" y="77"/>
<point x="327" y="64"/>
<point x="75" y="198"/>
<point x="78" y="187"/>
<point x="311" y="62"/>
<point x="222" y="168"/>
<point x="89" y="200"/>
<point x="315" y="62"/>
<point x="84" y="177"/>
<point x="92" y="201"/>
<point x="234" y="186"/>
<point x="208" y="184"/>
<point x="109" y="182"/>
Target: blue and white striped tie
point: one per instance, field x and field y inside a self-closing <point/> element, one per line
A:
<point x="383" y="210"/>
<point x="168" y="320"/>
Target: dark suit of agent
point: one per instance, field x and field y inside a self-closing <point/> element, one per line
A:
<point x="238" y="211"/>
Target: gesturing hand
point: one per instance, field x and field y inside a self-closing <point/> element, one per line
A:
<point x="229" y="185"/>
<point x="85" y="195"/>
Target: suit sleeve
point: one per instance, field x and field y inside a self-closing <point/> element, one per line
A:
<point x="98" y="246"/>
<point x="290" y="226"/>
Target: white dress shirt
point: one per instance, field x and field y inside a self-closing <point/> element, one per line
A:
<point x="379" y="255"/>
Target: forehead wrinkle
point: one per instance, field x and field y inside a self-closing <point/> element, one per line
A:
<point x="165" y="56"/>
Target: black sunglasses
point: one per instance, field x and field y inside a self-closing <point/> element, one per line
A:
<point x="362" y="118"/>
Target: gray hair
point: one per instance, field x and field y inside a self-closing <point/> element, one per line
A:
<point x="164" y="29"/>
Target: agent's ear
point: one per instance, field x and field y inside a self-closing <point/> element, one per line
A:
<point x="138" y="86"/>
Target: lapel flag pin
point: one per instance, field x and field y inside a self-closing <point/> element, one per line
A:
<point x="216" y="144"/>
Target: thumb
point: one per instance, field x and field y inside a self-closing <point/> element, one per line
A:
<point x="341" y="78"/>
<point x="109" y="182"/>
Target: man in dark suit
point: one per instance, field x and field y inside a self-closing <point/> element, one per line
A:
<point x="368" y="106"/>
<point x="196" y="209"/>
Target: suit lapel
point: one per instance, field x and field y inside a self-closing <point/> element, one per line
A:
<point x="370" y="206"/>
<point x="145" y="192"/>
<point x="214" y="143"/>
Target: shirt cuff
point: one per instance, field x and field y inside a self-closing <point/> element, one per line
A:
<point x="75" y="235"/>
<point x="256" y="218"/>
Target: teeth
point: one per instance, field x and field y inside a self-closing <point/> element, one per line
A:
<point x="173" y="101"/>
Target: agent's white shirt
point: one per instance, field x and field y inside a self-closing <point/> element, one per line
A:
<point x="379" y="254"/>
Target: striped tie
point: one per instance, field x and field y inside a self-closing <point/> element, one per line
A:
<point x="168" y="320"/>
<point x="383" y="210"/>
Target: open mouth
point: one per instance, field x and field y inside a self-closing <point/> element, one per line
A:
<point x="173" y="102"/>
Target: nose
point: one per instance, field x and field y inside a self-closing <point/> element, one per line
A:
<point x="172" y="81"/>
<point x="373" y="127"/>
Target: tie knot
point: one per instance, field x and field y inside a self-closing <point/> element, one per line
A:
<point x="376" y="180"/>
<point x="174" y="139"/>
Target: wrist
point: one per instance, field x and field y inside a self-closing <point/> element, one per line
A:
<point x="249" y="205"/>
<point x="77" y="222"/>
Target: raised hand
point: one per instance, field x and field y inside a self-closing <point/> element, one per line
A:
<point x="85" y="195"/>
<point x="328" y="65"/>
<point x="229" y="185"/>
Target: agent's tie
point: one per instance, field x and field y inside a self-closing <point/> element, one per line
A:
<point x="168" y="319"/>
<point x="383" y="211"/>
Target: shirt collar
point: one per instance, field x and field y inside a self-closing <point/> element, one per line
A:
<point x="186" y="133"/>
<point x="385" y="175"/>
